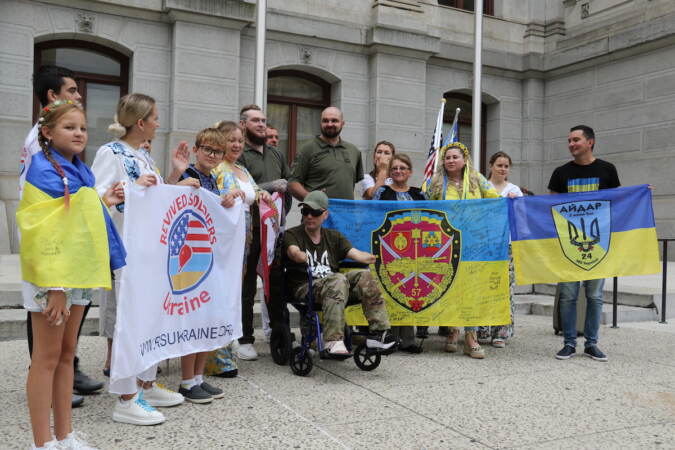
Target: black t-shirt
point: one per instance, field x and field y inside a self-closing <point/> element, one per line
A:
<point x="324" y="258"/>
<point x="572" y="177"/>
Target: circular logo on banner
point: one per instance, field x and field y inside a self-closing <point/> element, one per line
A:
<point x="190" y="254"/>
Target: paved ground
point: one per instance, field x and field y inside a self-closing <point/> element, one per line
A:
<point x="519" y="397"/>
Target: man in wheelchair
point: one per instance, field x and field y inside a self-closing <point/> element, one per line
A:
<point x="323" y="249"/>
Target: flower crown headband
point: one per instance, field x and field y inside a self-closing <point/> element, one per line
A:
<point x="459" y="145"/>
<point x="53" y="105"/>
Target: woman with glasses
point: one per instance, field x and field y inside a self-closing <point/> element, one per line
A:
<point x="399" y="171"/>
<point x="455" y="179"/>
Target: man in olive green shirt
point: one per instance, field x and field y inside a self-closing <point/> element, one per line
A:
<point x="268" y="168"/>
<point x="327" y="163"/>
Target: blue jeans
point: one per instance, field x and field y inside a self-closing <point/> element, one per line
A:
<point x="568" y="310"/>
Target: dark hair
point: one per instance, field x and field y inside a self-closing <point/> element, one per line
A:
<point x="493" y="159"/>
<point x="587" y="132"/>
<point x="246" y="108"/>
<point x="373" y="173"/>
<point x="49" y="78"/>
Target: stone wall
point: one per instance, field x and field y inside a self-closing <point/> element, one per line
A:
<point x="389" y="62"/>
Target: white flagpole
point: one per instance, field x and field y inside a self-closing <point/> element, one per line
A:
<point x="438" y="133"/>
<point x="261" y="10"/>
<point x="477" y="68"/>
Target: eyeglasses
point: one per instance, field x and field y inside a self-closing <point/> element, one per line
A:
<point x="306" y="211"/>
<point x="399" y="169"/>
<point x="212" y="152"/>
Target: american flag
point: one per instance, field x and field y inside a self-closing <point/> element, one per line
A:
<point x="432" y="157"/>
<point x="435" y="145"/>
<point x="190" y="236"/>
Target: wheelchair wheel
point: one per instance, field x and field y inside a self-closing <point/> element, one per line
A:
<point x="366" y="359"/>
<point x="301" y="364"/>
<point x="280" y="345"/>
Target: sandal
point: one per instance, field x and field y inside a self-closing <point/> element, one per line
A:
<point x="475" y="351"/>
<point x="453" y="340"/>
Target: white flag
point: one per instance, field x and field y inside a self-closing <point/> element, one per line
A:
<point x="181" y="289"/>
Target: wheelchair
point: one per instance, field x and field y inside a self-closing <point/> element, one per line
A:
<point x="300" y="357"/>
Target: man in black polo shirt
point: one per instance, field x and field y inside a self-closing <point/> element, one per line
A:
<point x="269" y="170"/>
<point x="327" y="163"/>
<point x="584" y="173"/>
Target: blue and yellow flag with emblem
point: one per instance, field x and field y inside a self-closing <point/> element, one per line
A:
<point x="438" y="262"/>
<point x="584" y="236"/>
<point x="73" y="247"/>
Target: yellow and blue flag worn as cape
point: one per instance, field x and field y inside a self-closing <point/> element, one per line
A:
<point x="438" y="262"/>
<point x="72" y="248"/>
<point x="584" y="236"/>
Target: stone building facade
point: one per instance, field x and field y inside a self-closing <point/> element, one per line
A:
<point x="548" y="65"/>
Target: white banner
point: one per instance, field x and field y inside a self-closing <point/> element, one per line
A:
<point x="181" y="289"/>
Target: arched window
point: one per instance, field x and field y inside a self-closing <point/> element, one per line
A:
<point x="470" y="5"/>
<point x="102" y="76"/>
<point x="294" y="103"/>
<point x="465" y="121"/>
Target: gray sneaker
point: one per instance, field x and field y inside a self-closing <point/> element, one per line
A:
<point x="594" y="352"/>
<point x="195" y="394"/>
<point x="212" y="390"/>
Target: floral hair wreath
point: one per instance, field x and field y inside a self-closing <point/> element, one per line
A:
<point x="53" y="105"/>
<point x="459" y="145"/>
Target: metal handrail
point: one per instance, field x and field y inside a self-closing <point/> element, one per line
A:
<point x="664" y="286"/>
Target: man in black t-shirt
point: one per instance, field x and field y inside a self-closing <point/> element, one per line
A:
<point x="323" y="249"/>
<point x="584" y="174"/>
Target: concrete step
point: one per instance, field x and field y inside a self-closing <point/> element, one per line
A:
<point x="543" y="305"/>
<point x="13" y="322"/>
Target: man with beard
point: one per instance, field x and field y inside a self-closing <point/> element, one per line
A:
<point x="268" y="168"/>
<point x="327" y="163"/>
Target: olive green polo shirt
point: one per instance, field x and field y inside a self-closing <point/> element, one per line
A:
<point x="267" y="166"/>
<point x="318" y="165"/>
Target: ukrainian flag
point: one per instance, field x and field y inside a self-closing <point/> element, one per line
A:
<point x="584" y="236"/>
<point x="438" y="262"/>
<point x="73" y="247"/>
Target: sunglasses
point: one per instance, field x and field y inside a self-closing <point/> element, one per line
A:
<point x="306" y="211"/>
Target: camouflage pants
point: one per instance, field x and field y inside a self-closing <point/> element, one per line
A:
<point x="338" y="290"/>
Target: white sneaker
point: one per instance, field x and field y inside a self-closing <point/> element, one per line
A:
<point x="75" y="441"/>
<point x="136" y="412"/>
<point x="245" y="352"/>
<point x="159" y="396"/>
<point x="53" y="444"/>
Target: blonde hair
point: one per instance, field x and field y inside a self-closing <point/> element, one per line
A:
<point x="227" y="127"/>
<point x="130" y="109"/>
<point x="212" y="135"/>
<point x="470" y="181"/>
<point x="49" y="117"/>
